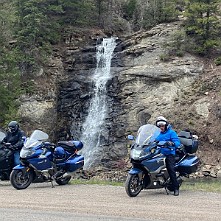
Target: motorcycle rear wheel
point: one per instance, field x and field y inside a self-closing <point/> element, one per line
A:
<point x="133" y="185"/>
<point x="21" y="180"/>
<point x="63" y="180"/>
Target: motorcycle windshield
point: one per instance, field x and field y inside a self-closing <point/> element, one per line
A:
<point x="2" y="135"/>
<point x="36" y="138"/>
<point x="146" y="134"/>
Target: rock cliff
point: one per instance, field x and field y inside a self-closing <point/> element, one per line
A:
<point x="186" y="90"/>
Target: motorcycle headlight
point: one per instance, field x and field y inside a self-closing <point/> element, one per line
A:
<point x="137" y="153"/>
<point x="26" y="153"/>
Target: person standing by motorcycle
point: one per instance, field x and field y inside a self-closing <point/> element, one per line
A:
<point x="172" y="140"/>
<point x="14" y="137"/>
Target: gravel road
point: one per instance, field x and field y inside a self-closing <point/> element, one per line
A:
<point x="96" y="202"/>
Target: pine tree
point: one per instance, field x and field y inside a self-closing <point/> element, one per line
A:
<point x="203" y="25"/>
<point x="9" y="73"/>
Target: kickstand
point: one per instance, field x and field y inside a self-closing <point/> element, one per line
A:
<point x="167" y="192"/>
<point x="52" y="185"/>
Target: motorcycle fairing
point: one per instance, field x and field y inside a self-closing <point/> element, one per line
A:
<point x="41" y="163"/>
<point x="154" y="165"/>
<point x="135" y="171"/>
<point x="19" y="167"/>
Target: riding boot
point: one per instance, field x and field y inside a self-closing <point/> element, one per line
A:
<point x="176" y="192"/>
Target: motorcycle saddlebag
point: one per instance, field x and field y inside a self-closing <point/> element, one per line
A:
<point x="188" y="165"/>
<point x="190" y="143"/>
<point x="75" y="163"/>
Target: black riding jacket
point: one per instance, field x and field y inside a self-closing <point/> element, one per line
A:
<point x="16" y="139"/>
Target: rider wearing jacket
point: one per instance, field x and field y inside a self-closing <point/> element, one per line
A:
<point x="14" y="136"/>
<point x="172" y="140"/>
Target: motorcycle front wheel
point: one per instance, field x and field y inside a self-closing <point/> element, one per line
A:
<point x="133" y="185"/>
<point x="20" y="179"/>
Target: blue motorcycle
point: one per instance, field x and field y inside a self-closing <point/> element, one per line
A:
<point x="148" y="164"/>
<point x="42" y="161"/>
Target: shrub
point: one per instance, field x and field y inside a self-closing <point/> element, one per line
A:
<point x="217" y="61"/>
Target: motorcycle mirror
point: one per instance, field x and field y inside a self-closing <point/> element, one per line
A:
<point x="24" y="138"/>
<point x="130" y="137"/>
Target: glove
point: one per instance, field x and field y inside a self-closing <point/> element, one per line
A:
<point x="170" y="143"/>
<point x="11" y="147"/>
<point x="8" y="145"/>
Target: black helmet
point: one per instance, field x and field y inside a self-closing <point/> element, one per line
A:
<point x="13" y="126"/>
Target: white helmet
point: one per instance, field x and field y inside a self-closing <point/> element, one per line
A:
<point x="161" y="121"/>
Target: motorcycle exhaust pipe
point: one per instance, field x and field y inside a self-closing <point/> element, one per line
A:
<point x="70" y="173"/>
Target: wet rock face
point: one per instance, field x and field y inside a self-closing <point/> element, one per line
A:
<point x="75" y="94"/>
<point x="141" y="88"/>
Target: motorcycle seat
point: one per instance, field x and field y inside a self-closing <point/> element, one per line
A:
<point x="66" y="143"/>
<point x="185" y="134"/>
<point x="68" y="146"/>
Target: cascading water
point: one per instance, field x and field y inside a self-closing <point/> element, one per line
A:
<point x="92" y="127"/>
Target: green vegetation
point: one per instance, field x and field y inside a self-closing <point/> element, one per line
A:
<point x="146" y="14"/>
<point x="218" y="61"/>
<point x="207" y="185"/>
<point x="129" y="9"/>
<point x="40" y="24"/>
<point x="9" y="73"/>
<point x="200" y="33"/>
<point x="203" y="25"/>
<point x="175" y="46"/>
<point x="164" y="57"/>
<point x="30" y="28"/>
<point x="160" y="11"/>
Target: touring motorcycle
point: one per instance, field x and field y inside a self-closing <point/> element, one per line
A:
<point x="43" y="161"/>
<point x="6" y="159"/>
<point x="148" y="164"/>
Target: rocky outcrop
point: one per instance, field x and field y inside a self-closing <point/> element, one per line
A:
<point x="149" y="86"/>
<point x="38" y="110"/>
<point x="141" y="88"/>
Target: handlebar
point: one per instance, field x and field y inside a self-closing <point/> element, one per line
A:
<point x="7" y="145"/>
<point x="49" y="146"/>
<point x="165" y="145"/>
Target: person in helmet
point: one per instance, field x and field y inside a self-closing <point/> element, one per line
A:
<point x="15" y="136"/>
<point x="172" y="140"/>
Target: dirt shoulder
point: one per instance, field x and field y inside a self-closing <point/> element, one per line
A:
<point x="113" y="201"/>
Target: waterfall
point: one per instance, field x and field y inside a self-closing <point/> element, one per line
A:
<point x="92" y="127"/>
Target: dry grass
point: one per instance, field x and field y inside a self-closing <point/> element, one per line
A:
<point x="207" y="185"/>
